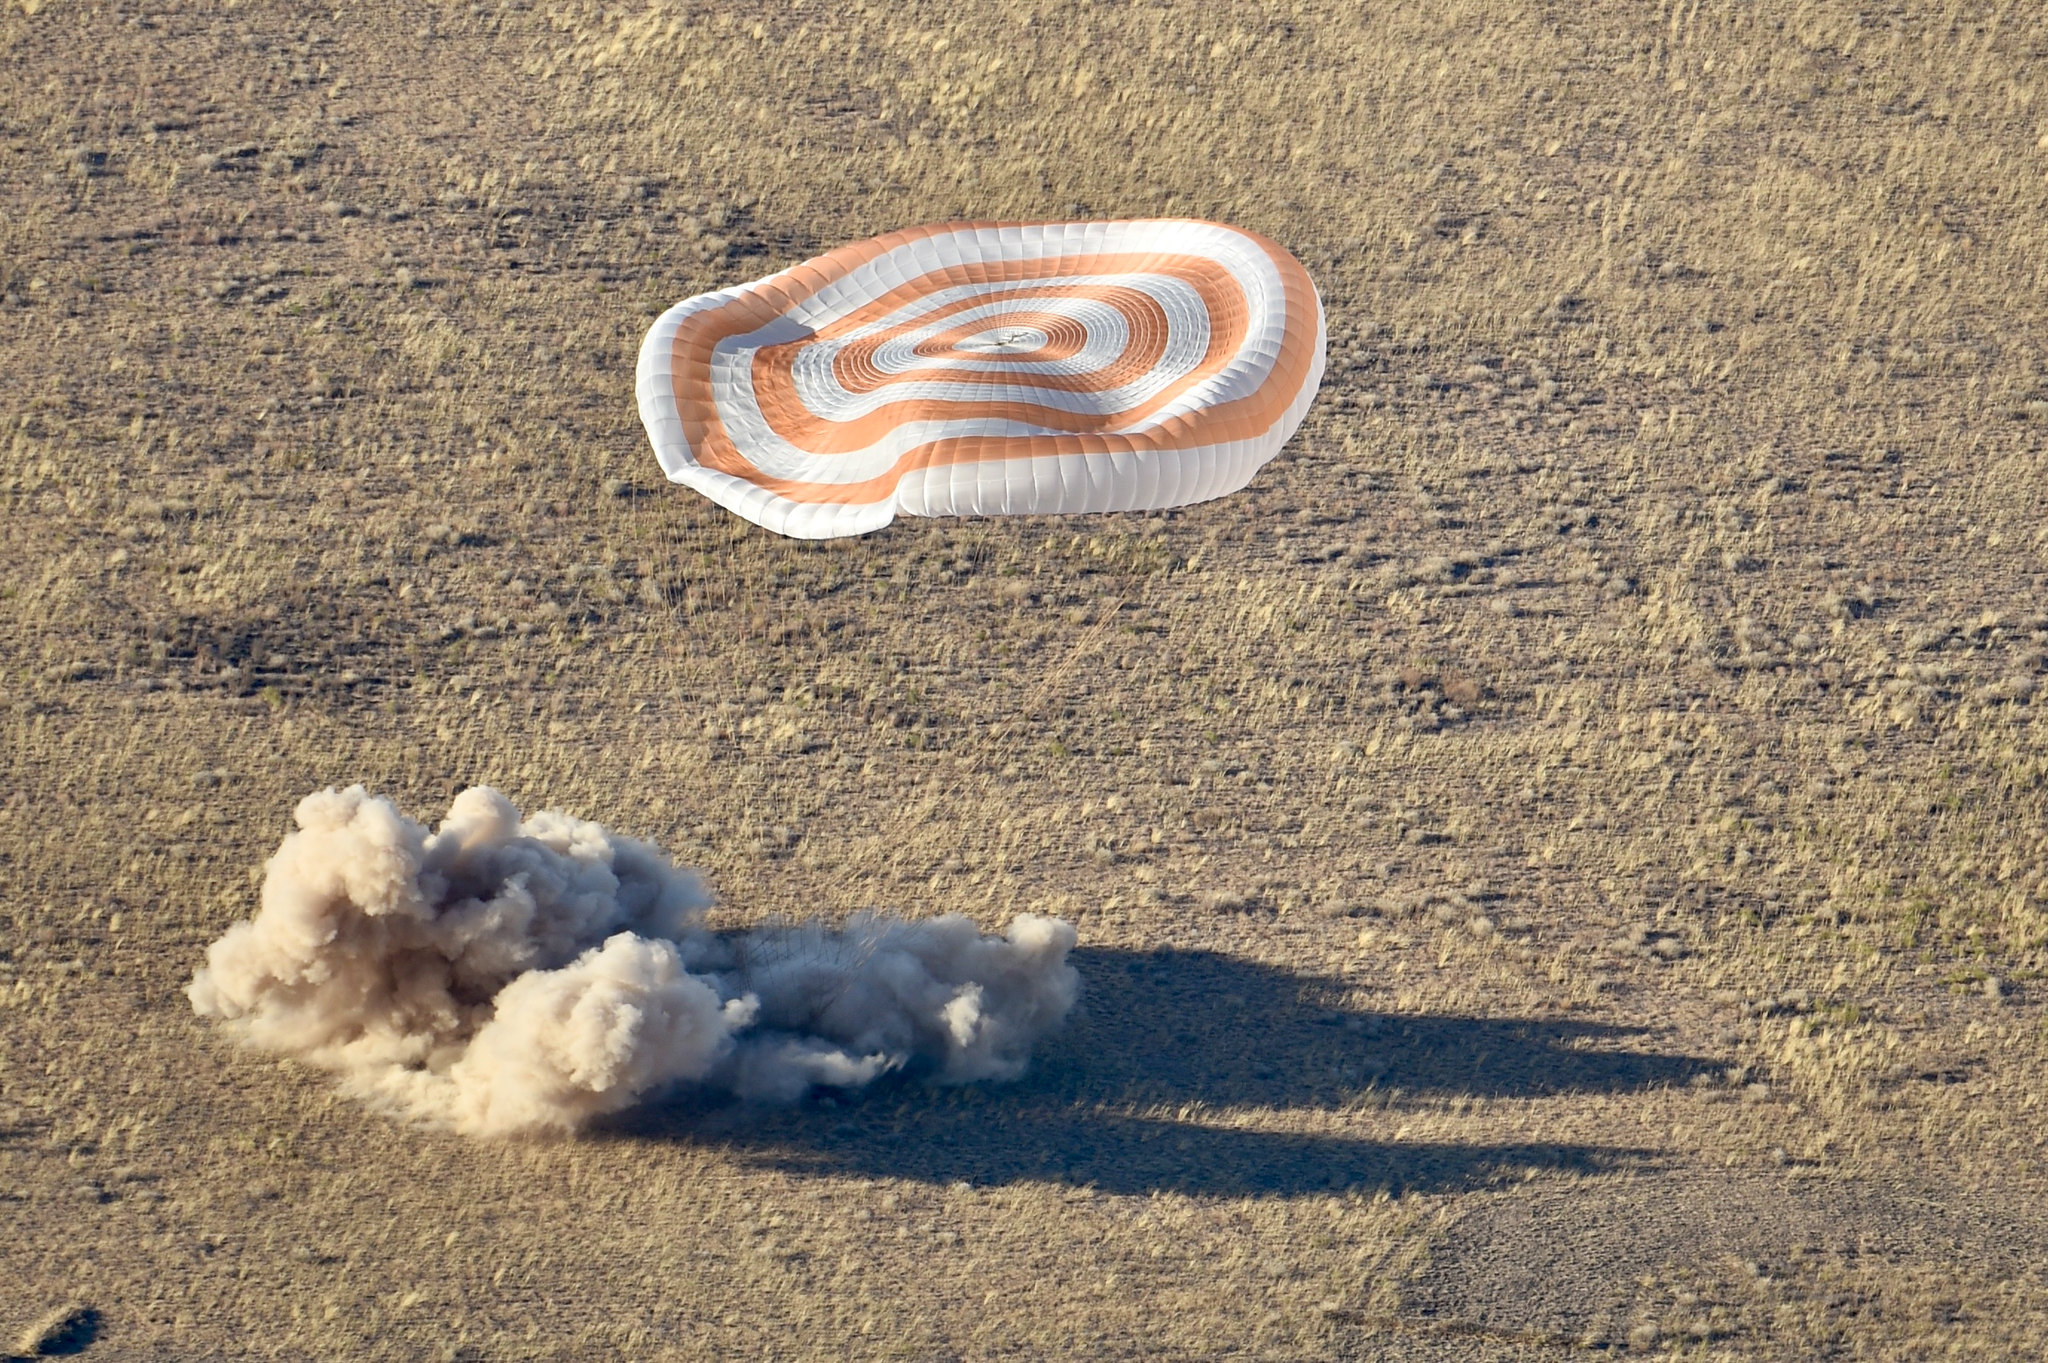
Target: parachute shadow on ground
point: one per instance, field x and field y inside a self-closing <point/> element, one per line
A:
<point x="1179" y="1028"/>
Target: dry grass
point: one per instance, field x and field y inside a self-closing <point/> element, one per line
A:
<point x="1559" y="860"/>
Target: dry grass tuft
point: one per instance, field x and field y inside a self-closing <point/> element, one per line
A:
<point x="60" y="1332"/>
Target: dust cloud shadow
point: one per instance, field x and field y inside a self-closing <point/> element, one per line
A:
<point x="989" y="1140"/>
<point x="1199" y="1026"/>
<point x="1167" y="1029"/>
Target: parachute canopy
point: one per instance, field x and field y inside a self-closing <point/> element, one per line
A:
<point x="987" y="369"/>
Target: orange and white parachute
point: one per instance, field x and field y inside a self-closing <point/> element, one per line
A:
<point x="987" y="369"/>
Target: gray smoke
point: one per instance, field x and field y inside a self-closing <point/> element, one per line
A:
<point x="500" y="975"/>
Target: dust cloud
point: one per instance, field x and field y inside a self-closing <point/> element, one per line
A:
<point x="501" y="975"/>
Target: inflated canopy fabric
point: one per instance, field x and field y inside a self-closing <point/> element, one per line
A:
<point x="987" y="369"/>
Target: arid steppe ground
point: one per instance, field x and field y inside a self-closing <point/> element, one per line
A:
<point x="1559" y="859"/>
